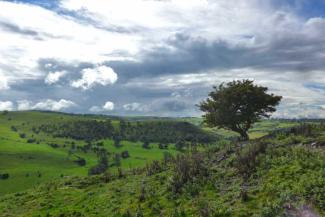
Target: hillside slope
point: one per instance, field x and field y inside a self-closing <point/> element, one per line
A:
<point x="277" y="175"/>
<point x="37" y="147"/>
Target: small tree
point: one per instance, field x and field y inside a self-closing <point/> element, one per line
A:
<point x="117" y="141"/>
<point x="162" y="146"/>
<point x="125" y="154"/>
<point x="237" y="105"/>
<point x="146" y="145"/>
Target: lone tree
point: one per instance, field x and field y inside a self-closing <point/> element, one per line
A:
<point x="237" y="105"/>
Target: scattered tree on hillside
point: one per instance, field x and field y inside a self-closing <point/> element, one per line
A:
<point x="81" y="161"/>
<point x="4" y="176"/>
<point x="237" y="105"/>
<point x="123" y="127"/>
<point x="125" y="154"/>
<point x="102" y="163"/>
<point x="146" y="145"/>
<point x="117" y="141"/>
<point x="163" y="146"/>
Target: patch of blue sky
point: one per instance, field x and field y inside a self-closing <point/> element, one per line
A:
<point x="304" y="8"/>
<point x="48" y="4"/>
<point x="316" y="86"/>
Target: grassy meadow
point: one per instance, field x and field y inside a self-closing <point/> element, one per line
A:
<point x="30" y="164"/>
<point x="281" y="166"/>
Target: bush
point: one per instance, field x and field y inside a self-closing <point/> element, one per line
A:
<point x="81" y="161"/>
<point x="102" y="164"/>
<point x="162" y="146"/>
<point x="98" y="169"/>
<point x="54" y="145"/>
<point x="4" y="176"/>
<point x="153" y="168"/>
<point x="5" y="112"/>
<point x="125" y="154"/>
<point x="31" y="140"/>
<point x="117" y="142"/>
<point x="146" y="145"/>
<point x="187" y="168"/>
<point x="247" y="160"/>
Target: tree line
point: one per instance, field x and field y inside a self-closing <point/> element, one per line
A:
<point x="148" y="131"/>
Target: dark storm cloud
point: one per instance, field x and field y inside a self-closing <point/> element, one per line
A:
<point x="285" y="52"/>
<point x="191" y="55"/>
<point x="173" y="106"/>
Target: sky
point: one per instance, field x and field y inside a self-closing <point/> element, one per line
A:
<point x="159" y="57"/>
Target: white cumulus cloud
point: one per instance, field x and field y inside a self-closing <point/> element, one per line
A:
<point x="6" y="105"/>
<point x="53" y="105"/>
<point x="135" y="106"/>
<point x="48" y="104"/>
<point x="54" y="77"/>
<point x="23" y="105"/>
<point x="28" y="39"/>
<point x="101" y="75"/>
<point x="108" y="106"/>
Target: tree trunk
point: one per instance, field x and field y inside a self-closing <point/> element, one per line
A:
<point x="244" y="136"/>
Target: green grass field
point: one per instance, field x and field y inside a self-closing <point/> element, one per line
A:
<point x="282" y="174"/>
<point x="30" y="164"/>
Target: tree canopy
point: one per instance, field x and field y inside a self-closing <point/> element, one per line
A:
<point x="237" y="105"/>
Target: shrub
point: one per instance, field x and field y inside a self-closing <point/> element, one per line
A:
<point x="162" y="146"/>
<point x="5" y="112"/>
<point x="31" y="140"/>
<point x="146" y="145"/>
<point x="153" y="168"/>
<point x="54" y="145"/>
<point x="117" y="142"/>
<point x="102" y="164"/>
<point x="125" y="154"/>
<point x="246" y="160"/>
<point x="97" y="169"/>
<point x="187" y="168"/>
<point x="4" y="176"/>
<point x="81" y="161"/>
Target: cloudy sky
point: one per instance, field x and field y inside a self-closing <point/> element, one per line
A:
<point x="159" y="57"/>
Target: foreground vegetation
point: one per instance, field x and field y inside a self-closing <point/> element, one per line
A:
<point x="279" y="174"/>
